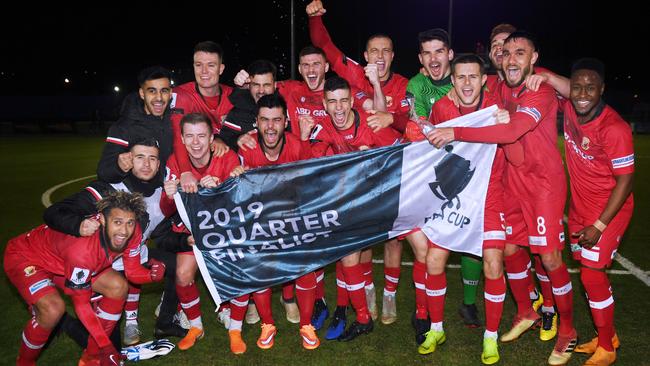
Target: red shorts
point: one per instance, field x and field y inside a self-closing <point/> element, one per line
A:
<point x="31" y="281"/>
<point x="494" y="224"/>
<point x="601" y="254"/>
<point x="537" y="225"/>
<point x="403" y="236"/>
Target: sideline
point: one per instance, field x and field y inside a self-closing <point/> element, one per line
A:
<point x="45" y="197"/>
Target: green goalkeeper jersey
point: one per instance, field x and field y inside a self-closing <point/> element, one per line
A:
<point x="427" y="91"/>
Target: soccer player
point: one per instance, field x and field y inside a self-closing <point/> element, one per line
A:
<point x="535" y="187"/>
<point x="198" y="139"/>
<point x="274" y="147"/>
<point x="468" y="78"/>
<point x="40" y="259"/>
<point x="203" y="95"/>
<point x="345" y="132"/>
<point x="144" y="115"/>
<point x="600" y="159"/>
<point x="74" y="216"/>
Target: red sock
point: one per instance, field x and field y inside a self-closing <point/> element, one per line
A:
<point x="33" y="339"/>
<point x="436" y="286"/>
<point x="132" y="302"/>
<point x="320" y="284"/>
<point x="306" y="294"/>
<point x="545" y="286"/>
<point x="601" y="303"/>
<point x="563" y="294"/>
<point x="342" y="297"/>
<point x="190" y="300"/>
<point x="263" y="303"/>
<point x="287" y="290"/>
<point x="519" y="279"/>
<point x="391" y="279"/>
<point x="495" y="294"/>
<point x="367" y="273"/>
<point x="238" y="307"/>
<point x="419" y="276"/>
<point x="108" y="311"/>
<point x="354" y="280"/>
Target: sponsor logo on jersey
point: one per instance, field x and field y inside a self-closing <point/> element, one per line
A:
<point x="79" y="275"/>
<point x="37" y="286"/>
<point x="29" y="271"/>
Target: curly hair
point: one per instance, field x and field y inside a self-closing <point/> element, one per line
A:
<point x="126" y="201"/>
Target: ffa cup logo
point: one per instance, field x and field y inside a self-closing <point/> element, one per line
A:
<point x="449" y="184"/>
<point x="29" y="271"/>
<point x="585" y="143"/>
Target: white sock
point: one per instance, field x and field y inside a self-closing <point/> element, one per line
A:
<point x="196" y="323"/>
<point x="437" y="327"/>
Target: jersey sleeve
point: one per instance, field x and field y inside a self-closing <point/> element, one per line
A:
<point x="619" y="147"/>
<point x="117" y="142"/>
<point x="66" y="215"/>
<point x="133" y="269"/>
<point x="343" y="66"/>
<point x="529" y="113"/>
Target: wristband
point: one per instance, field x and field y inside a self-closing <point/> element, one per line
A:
<point x="599" y="225"/>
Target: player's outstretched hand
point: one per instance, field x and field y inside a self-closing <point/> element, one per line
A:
<point x="315" y="8"/>
<point x="219" y="148"/>
<point x="108" y="356"/>
<point x="378" y="120"/>
<point x="246" y="141"/>
<point x="157" y="270"/>
<point x="88" y="227"/>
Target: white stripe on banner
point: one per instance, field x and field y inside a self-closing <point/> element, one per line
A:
<point x="454" y="202"/>
<point x="601" y="304"/>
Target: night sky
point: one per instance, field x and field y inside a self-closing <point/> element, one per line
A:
<point x="105" y="47"/>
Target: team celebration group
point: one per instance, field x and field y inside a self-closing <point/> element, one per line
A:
<point x="93" y="244"/>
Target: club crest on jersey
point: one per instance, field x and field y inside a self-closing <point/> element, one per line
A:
<point x="389" y="101"/>
<point x="585" y="143"/>
<point x="79" y="276"/>
<point x="29" y="271"/>
<point x="452" y="176"/>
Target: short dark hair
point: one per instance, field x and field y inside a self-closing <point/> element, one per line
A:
<point x="153" y="73"/>
<point x="336" y="83"/>
<point x="590" y="63"/>
<point x="523" y="35"/>
<point x="261" y="67"/>
<point x="468" y="59"/>
<point x="311" y="50"/>
<point x="145" y="141"/>
<point x="194" y="119"/>
<point x="274" y="100"/>
<point x="432" y="35"/>
<point x="502" y="28"/>
<point x="209" y="47"/>
<point x="379" y="35"/>
<point x="126" y="201"/>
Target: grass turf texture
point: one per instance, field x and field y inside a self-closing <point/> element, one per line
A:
<point x="32" y="164"/>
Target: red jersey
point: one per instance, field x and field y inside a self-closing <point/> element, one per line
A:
<point x="292" y="150"/>
<point x="187" y="99"/>
<point x="596" y="152"/>
<point x="300" y="101"/>
<point x="534" y="171"/>
<point x="394" y="88"/>
<point x="327" y="140"/>
<point x="494" y="80"/>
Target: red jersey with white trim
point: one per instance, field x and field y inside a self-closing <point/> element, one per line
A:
<point x="187" y="99"/>
<point x="219" y="167"/>
<point x="292" y="150"/>
<point x="300" y="101"/>
<point x="596" y="152"/>
<point x="394" y="88"/>
<point x="536" y="172"/>
<point x="77" y="259"/>
<point x="327" y="140"/>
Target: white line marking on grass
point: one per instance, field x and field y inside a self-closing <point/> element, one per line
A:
<point x="571" y="270"/>
<point x="636" y="271"/>
<point x="45" y="197"/>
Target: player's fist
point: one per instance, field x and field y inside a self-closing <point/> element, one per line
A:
<point x="209" y="181"/>
<point x="307" y="123"/>
<point x="372" y="74"/>
<point x="315" y="8"/>
<point x="108" y="356"/>
<point x="171" y="187"/>
<point x="502" y="116"/>
<point x="125" y="161"/>
<point x="239" y="170"/>
<point x="189" y="182"/>
<point x="88" y="227"/>
<point x="242" y="78"/>
<point x="157" y="270"/>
